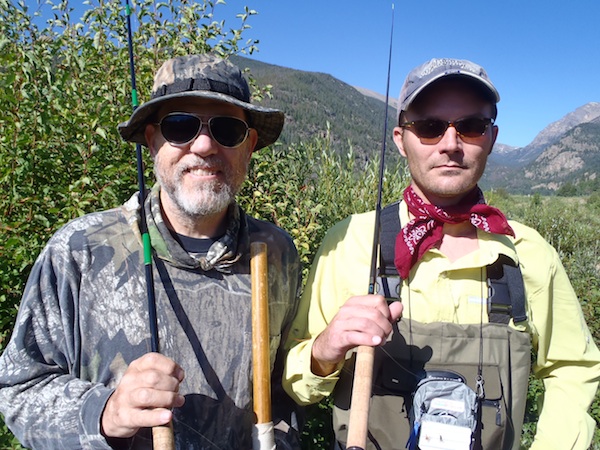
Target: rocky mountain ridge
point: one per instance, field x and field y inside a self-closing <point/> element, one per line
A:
<point x="555" y="130"/>
<point x="565" y="154"/>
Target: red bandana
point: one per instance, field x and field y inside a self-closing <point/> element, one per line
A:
<point x="426" y="229"/>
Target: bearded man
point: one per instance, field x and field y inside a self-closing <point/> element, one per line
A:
<point x="78" y="371"/>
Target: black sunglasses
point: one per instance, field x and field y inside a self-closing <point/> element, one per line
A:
<point x="182" y="128"/>
<point x="471" y="127"/>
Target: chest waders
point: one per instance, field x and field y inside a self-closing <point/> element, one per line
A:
<point x="491" y="358"/>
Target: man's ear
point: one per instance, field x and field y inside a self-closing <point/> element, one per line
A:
<point x="397" y="136"/>
<point x="252" y="140"/>
<point x="149" y="134"/>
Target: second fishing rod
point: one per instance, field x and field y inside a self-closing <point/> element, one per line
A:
<point x="363" y="369"/>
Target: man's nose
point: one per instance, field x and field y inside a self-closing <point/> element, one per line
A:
<point x="450" y="140"/>
<point x="204" y="144"/>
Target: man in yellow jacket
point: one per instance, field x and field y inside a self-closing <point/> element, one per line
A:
<point x="448" y="241"/>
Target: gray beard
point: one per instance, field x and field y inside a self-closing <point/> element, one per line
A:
<point x="207" y="202"/>
<point x="208" y="198"/>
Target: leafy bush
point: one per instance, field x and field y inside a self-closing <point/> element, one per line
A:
<point x="594" y="200"/>
<point x="307" y="187"/>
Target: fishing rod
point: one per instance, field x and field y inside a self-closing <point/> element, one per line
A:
<point x="162" y="436"/>
<point x="363" y="368"/>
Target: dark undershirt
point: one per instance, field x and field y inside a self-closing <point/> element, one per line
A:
<point x="194" y="246"/>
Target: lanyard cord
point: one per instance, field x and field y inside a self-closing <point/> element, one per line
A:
<point x="480" y="380"/>
<point x="410" y="334"/>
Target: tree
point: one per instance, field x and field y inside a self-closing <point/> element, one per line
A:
<point x="567" y="190"/>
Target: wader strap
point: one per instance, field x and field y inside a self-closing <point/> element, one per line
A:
<point x="388" y="280"/>
<point x="390" y="227"/>
<point x="507" y="292"/>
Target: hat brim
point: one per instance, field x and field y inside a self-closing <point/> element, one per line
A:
<point x="267" y="122"/>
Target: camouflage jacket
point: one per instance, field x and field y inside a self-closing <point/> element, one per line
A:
<point x="84" y="318"/>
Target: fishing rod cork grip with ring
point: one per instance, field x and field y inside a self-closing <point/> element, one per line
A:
<point x="263" y="434"/>
<point x="162" y="436"/>
<point x="363" y="368"/>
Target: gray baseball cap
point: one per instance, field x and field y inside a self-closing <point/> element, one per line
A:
<point x="203" y="76"/>
<point x="435" y="69"/>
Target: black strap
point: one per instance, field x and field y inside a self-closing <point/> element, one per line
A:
<point x="389" y="220"/>
<point x="505" y="281"/>
<point x="389" y="282"/>
<point x="507" y="292"/>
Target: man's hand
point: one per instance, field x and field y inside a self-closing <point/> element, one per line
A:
<point x="362" y="320"/>
<point x="144" y="397"/>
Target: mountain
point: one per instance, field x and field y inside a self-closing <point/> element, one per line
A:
<point x="553" y="132"/>
<point x="317" y="103"/>
<point x="503" y="155"/>
<point x="572" y="159"/>
<point x="564" y="154"/>
<point x="393" y="101"/>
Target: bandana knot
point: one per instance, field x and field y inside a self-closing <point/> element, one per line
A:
<point x="426" y="229"/>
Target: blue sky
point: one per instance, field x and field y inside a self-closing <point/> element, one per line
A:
<point x="543" y="55"/>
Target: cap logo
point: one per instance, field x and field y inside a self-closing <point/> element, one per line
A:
<point x="436" y="63"/>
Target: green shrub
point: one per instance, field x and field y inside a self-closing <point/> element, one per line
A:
<point x="593" y="200"/>
<point x="307" y="187"/>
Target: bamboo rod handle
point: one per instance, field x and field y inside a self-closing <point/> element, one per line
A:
<point x="361" y="398"/>
<point x="162" y="437"/>
<point x="261" y="365"/>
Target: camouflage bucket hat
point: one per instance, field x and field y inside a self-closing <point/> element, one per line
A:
<point x="435" y="69"/>
<point x="205" y="77"/>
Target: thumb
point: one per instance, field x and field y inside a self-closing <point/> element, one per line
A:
<point x="396" y="309"/>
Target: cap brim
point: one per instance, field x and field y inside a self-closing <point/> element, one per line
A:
<point x="267" y="122"/>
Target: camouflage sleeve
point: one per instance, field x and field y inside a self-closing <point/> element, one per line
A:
<point x="43" y="401"/>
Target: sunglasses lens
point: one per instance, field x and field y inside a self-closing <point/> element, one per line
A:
<point x="228" y="131"/>
<point x="473" y="127"/>
<point x="180" y="128"/>
<point x="430" y="129"/>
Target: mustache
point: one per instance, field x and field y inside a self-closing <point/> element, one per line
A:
<point x="211" y="162"/>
